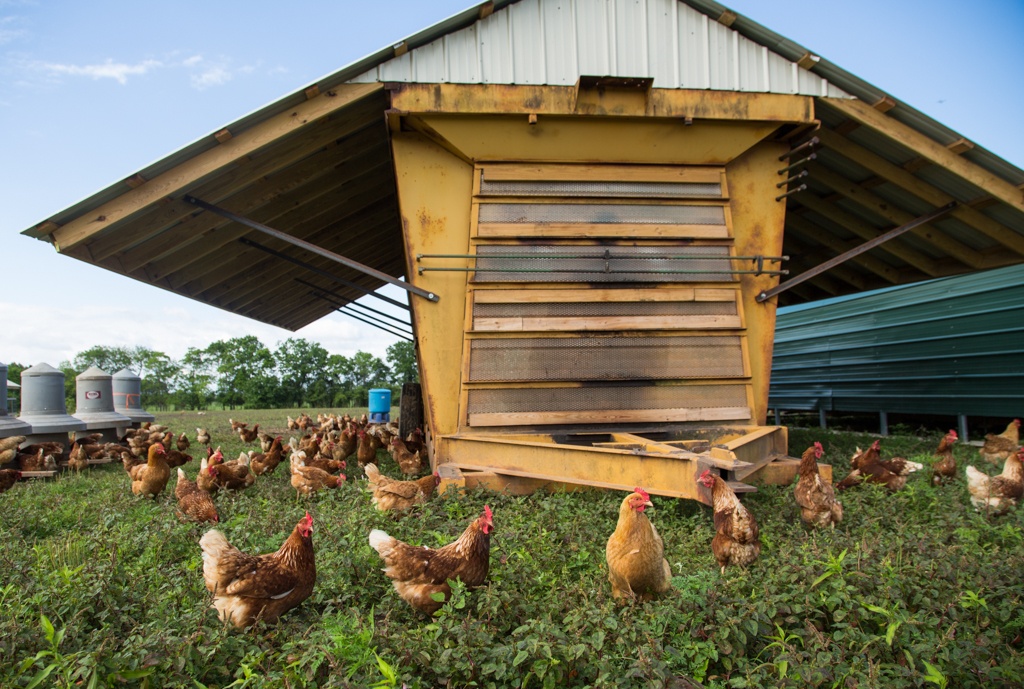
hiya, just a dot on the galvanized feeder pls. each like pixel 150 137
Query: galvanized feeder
pixel 8 424
pixel 94 397
pixel 128 399
pixel 43 407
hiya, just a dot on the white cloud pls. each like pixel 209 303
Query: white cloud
pixel 212 76
pixel 192 61
pixel 117 71
pixel 7 33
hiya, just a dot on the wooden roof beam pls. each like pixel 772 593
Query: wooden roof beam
pixel 867 231
pixel 811 257
pixel 348 128
pixel 209 286
pixel 840 246
pixel 241 296
pixel 371 229
pixel 503 99
pixel 899 177
pixel 213 232
pixel 884 209
pixel 193 170
pixel 931 150
pixel 211 273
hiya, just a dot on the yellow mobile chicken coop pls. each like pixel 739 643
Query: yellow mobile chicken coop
pixel 595 207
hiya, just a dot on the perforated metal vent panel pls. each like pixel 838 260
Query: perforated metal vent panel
pixel 601 189
pixel 605 358
pixel 549 263
pixel 598 309
pixel 610 398
pixel 597 214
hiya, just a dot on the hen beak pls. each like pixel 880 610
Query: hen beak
pixel 648 503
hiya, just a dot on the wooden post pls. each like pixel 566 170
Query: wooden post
pixel 410 414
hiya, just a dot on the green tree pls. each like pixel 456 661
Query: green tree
pixel 158 372
pixel 109 359
pixel 193 380
pixel 303 368
pixel 246 373
pixel 401 358
pixel 14 370
pixel 365 372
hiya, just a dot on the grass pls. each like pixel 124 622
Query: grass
pixel 100 588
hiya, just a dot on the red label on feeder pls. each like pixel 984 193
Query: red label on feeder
pixel 92 394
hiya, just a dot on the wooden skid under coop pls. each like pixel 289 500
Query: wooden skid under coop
pixel 663 463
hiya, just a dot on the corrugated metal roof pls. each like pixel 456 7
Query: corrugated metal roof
pixel 553 43
pixel 680 44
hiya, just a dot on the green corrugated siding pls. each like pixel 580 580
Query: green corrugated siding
pixel 948 346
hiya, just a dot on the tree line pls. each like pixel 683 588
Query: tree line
pixel 244 373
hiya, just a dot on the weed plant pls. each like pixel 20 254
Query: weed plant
pixel 99 588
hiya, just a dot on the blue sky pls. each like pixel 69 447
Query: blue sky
pixel 92 92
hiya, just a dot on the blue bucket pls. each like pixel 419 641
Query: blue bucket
pixel 380 401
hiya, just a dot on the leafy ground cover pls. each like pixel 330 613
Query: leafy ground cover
pixel 100 588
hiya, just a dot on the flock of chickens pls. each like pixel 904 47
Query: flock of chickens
pixel 635 552
pixel 248 588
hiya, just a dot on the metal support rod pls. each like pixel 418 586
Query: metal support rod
pixel 795 190
pixel 857 251
pixel 606 272
pixel 313 248
pixel 792 179
pixel 813 156
pixel 813 141
pixel 322 273
pixel 381 314
pixel 623 256
pixel 375 325
pixel 345 302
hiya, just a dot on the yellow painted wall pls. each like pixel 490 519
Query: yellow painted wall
pixel 434 175
pixel 434 193
pixel 758 222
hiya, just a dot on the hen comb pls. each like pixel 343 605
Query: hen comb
pixel 952 433
pixel 642 493
pixel 707 472
pixel 488 515
pixel 309 518
pixel 817 446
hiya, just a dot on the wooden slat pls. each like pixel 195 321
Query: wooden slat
pixel 929 233
pixel 191 171
pixel 896 247
pixel 604 230
pixel 930 149
pixel 543 296
pixel 500 172
pixel 609 416
pixel 503 99
pixel 906 181
pixel 541 324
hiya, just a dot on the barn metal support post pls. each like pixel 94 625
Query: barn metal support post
pixel 883 423
pixel 821 417
pixel 962 422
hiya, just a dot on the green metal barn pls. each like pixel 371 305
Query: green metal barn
pixel 952 346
